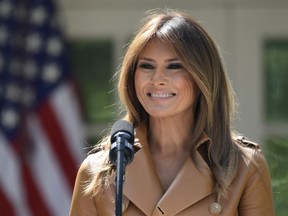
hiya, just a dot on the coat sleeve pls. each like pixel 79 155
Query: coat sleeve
pixel 82 205
pixel 257 199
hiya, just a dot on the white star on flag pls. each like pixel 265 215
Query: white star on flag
pixel 34 43
pixel 51 72
pixel 5 8
pixel 38 15
pixel 54 46
pixel 9 118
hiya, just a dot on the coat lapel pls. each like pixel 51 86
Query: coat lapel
pixel 142 185
pixel 190 186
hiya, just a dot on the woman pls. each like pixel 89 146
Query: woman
pixel 188 161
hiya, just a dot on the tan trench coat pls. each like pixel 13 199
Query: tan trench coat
pixel 190 194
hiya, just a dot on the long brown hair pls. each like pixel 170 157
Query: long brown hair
pixel 215 104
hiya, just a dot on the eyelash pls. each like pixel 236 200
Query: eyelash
pixel 146 66
pixel 173 66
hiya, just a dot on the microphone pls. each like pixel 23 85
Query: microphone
pixel 121 153
pixel 122 139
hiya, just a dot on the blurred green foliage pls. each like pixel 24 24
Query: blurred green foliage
pixel 276 153
pixel 276 80
pixel 92 65
pixel 276 111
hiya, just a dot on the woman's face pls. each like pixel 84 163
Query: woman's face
pixel 163 86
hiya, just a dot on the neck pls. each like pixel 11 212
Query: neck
pixel 170 136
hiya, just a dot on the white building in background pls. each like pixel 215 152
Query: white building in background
pixel 239 26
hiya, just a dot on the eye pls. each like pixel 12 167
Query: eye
pixel 175 66
pixel 146 65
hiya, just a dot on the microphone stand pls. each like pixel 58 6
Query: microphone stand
pixel 121 163
pixel 121 153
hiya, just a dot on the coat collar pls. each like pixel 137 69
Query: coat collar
pixel 142 185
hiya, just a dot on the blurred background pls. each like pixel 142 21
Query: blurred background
pixel 57 97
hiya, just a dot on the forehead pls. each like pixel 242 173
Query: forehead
pixel 158 48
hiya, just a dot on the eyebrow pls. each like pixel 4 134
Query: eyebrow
pixel 152 60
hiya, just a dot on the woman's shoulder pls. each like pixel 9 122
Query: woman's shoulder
pixel 251 153
pixel 92 162
pixel 253 179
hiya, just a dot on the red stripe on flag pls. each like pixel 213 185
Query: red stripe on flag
pixel 5 205
pixel 35 201
pixel 33 195
pixel 58 142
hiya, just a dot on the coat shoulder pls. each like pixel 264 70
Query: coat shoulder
pixel 246 143
pixel 251 151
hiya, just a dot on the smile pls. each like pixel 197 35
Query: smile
pixel 161 95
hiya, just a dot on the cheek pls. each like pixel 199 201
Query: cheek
pixel 136 79
pixel 189 91
pixel 141 77
pixel 189 87
pixel 138 82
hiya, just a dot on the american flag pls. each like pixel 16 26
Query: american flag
pixel 41 134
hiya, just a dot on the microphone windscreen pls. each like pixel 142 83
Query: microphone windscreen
pixel 123 126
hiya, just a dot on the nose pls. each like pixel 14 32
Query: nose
pixel 159 78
